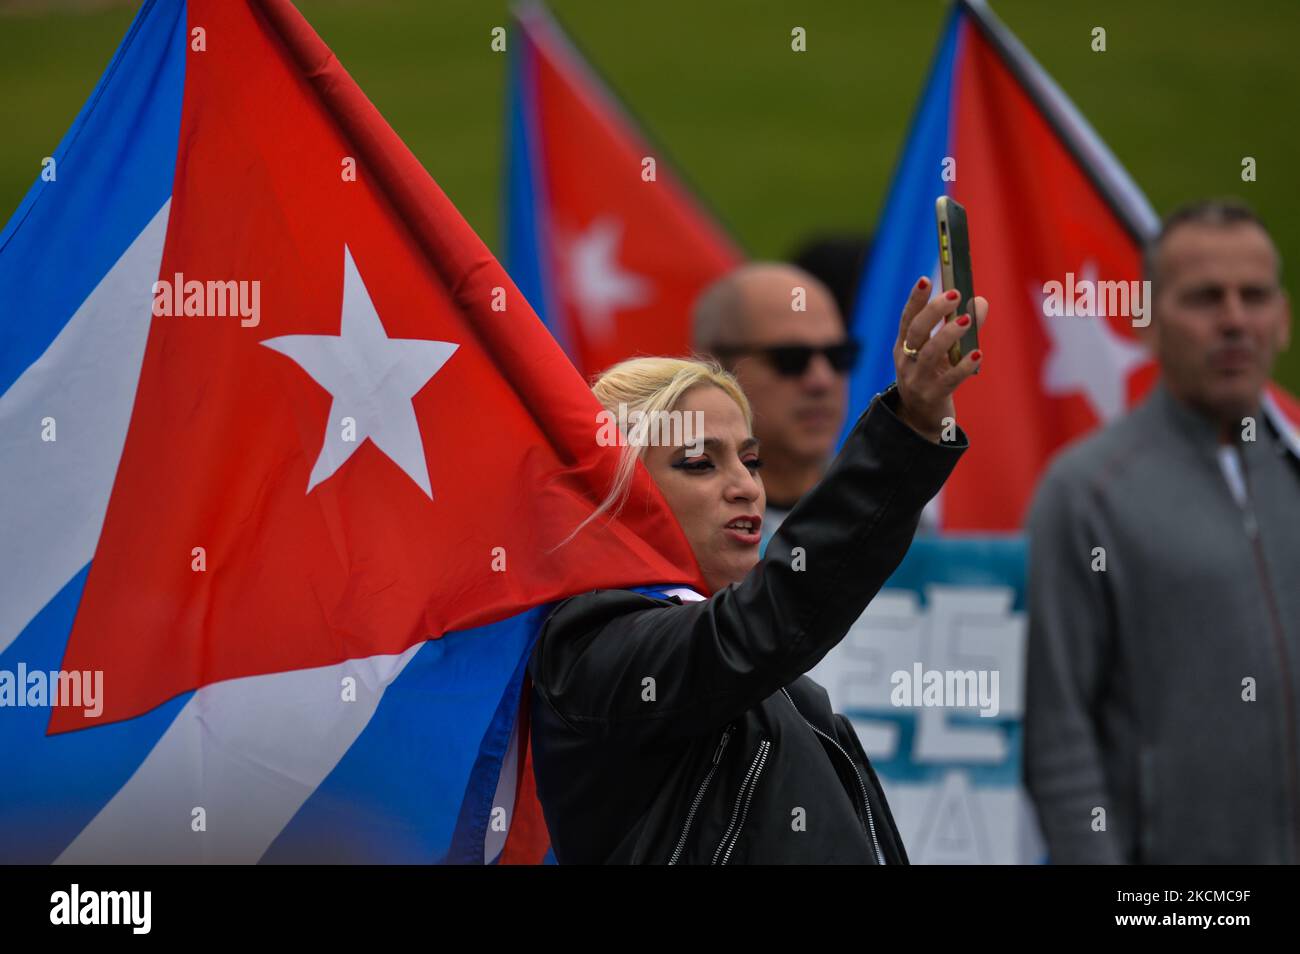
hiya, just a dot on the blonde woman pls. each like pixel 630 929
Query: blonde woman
pixel 671 727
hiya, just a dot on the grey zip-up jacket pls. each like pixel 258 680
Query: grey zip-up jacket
pixel 1162 685
pixel 671 733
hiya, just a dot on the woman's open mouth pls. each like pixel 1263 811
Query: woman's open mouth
pixel 745 530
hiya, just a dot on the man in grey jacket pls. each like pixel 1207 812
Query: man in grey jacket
pixel 1164 584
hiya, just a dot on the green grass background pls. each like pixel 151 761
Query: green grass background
pixel 780 144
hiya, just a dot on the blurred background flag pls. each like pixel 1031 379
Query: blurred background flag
pixel 1048 202
pixel 1046 199
pixel 305 543
pixel 605 242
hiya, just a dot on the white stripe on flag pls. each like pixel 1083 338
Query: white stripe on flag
pixel 1286 428
pixel 685 593
pixel 56 492
pixel 249 752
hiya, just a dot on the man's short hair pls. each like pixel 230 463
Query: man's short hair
pixel 1218 213
pixel 719 311
pixel 715 309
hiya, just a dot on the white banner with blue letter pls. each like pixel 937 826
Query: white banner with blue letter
pixel 932 677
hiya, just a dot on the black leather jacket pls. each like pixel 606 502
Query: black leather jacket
pixel 686 733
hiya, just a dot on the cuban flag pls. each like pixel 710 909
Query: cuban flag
pixel 1046 200
pixel 286 459
pixel 602 238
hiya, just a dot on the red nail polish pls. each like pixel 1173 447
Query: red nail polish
pixel 964 320
pixel 923 283
pixel 975 355
pixel 952 296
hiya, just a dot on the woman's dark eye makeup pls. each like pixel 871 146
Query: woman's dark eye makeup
pixel 693 464
pixel 696 465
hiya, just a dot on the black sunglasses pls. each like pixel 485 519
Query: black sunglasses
pixel 792 360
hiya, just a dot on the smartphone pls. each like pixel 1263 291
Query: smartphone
pixel 954 262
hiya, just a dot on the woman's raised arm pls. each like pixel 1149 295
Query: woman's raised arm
pixel 616 662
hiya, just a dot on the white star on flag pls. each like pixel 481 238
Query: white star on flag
pixel 599 286
pixel 1087 356
pixel 372 379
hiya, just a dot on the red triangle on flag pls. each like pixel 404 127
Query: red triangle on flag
pixel 243 535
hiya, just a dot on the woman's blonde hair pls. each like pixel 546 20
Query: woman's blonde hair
pixel 651 385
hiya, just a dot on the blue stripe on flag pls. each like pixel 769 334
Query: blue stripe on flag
pixel 52 786
pixel 114 170
pixel 525 211
pixel 476 810
pixel 395 796
pixel 906 246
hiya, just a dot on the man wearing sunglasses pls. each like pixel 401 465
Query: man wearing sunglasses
pixel 777 328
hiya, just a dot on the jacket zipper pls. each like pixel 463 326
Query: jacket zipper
pixel 1252 531
pixel 738 812
pixel 866 802
pixel 699 795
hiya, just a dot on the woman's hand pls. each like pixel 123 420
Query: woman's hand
pixel 927 380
